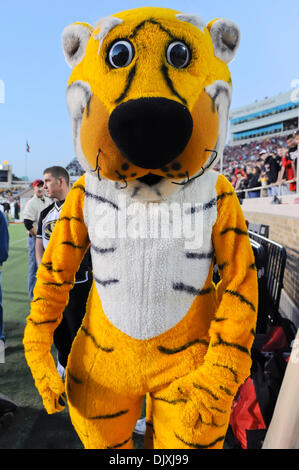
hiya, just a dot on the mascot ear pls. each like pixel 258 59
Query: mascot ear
pixel 74 41
pixel 226 38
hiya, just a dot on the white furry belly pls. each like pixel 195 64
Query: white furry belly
pixel 146 285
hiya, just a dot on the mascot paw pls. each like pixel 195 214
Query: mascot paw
pixel 203 406
pixel 51 387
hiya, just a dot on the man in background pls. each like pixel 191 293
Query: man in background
pixel 17 209
pixel 56 183
pixel 31 214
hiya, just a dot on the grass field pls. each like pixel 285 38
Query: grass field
pixel 29 427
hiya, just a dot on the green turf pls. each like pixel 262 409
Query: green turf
pixel 29 427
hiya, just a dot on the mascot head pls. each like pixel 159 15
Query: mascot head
pixel 149 95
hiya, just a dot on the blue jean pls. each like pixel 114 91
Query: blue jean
pixel 253 194
pixel 273 191
pixel 32 266
pixel 1 311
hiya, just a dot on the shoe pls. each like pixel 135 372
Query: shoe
pixel 276 200
pixel 140 426
pixel 6 405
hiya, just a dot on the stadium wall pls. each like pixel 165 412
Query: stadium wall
pixel 283 225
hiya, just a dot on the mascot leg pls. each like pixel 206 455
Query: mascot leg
pixel 169 432
pixel 108 422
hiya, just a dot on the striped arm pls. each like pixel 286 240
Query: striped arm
pixel 55 278
pixel 232 331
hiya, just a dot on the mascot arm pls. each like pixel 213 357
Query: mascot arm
pixel 55 278
pixel 211 388
pixel 233 328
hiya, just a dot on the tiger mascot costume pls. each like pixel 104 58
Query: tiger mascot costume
pixel 148 97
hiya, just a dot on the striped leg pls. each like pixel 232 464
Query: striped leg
pixel 109 420
pixel 169 432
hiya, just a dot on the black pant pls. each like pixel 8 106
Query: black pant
pixel 73 315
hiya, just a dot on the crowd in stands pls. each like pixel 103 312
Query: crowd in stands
pixel 247 166
pixel 257 164
pixel 253 165
pixel 74 168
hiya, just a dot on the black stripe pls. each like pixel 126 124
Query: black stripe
pixel 223 195
pixel 119 445
pixel 205 389
pixel 72 245
pixel 49 267
pixel 58 284
pixel 210 204
pixel 213 424
pixel 73 378
pixel 130 78
pixel 205 206
pixel 180 286
pixel 222 266
pixel 240 297
pixel 182 348
pixel 69 218
pixel 170 402
pixel 152 21
pixel 37 323
pixel 102 251
pixel 220 319
pixel 88 106
pixel 169 83
pixel 79 186
pixel 233 229
pixel 108 350
pixel 218 409
pixel 114 415
pixel 252 266
pixel 38 298
pixel 221 342
pixel 135 191
pixel 230 369
pixel 106 282
pixel 200 446
pixel 200 255
pixel 101 199
pixel 227 391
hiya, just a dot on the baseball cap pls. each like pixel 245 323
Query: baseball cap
pixel 37 183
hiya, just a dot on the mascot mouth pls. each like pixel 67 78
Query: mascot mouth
pixel 150 179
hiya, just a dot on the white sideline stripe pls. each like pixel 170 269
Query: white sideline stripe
pixel 17 241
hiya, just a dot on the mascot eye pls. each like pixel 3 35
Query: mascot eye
pixel 121 54
pixel 178 55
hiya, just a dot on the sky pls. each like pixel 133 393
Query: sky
pixel 34 72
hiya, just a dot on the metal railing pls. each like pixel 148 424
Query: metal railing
pixel 272 185
pixel 274 261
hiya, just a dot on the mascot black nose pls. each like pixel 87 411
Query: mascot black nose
pixel 151 132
